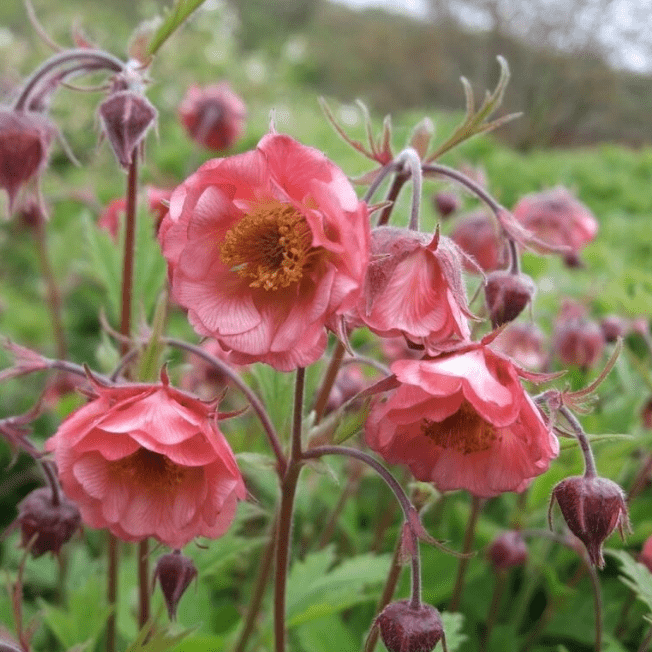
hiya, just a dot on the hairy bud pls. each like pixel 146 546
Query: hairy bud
pixel 446 203
pixel 508 550
pixel 126 117
pixel 592 508
pixel 507 295
pixel 613 327
pixel 53 524
pixel 578 342
pixel 174 573
pixel 404 628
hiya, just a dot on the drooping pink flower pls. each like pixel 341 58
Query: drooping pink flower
pixel 557 218
pixel 577 339
pixel 413 288
pixel 213 116
pixel 110 218
pixel 148 460
pixel 462 420
pixel 525 343
pixel 265 248
pixel 25 138
pixel 477 235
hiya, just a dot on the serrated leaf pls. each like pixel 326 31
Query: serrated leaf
pixel 634 575
pixel 176 16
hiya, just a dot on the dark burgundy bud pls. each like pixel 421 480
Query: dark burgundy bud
pixel 174 573
pixel 613 327
pixel 507 295
pixel 446 203
pixel 126 117
pixel 579 342
pixel 404 628
pixel 646 414
pixel 53 524
pixel 25 138
pixel 592 508
pixel 508 550
pixel 31 214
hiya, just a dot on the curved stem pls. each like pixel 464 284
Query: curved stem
pixel 392 195
pixel 329 380
pixel 52 481
pixel 410 157
pixel 377 182
pixel 514 262
pixel 104 59
pixel 415 600
pixel 589 461
pixel 476 505
pixel 251 396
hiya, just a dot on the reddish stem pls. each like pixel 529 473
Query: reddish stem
pixel 329 380
pixel 143 582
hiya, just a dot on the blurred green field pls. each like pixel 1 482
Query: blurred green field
pixel 333 590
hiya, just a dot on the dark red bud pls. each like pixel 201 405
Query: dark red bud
pixel 507 295
pixel 25 138
pixel 406 629
pixel 646 414
pixel 126 117
pixel 508 550
pixel 592 509
pixel 446 203
pixel 54 524
pixel 174 573
pixel 613 327
pixel 579 342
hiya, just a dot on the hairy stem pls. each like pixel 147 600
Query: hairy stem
pixel 589 461
pixel 143 582
pixel 392 195
pixel 328 382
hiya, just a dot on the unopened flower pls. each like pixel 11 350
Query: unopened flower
pixel 507 550
pixel 405 628
pixel 557 218
pixel 25 138
pixel 477 235
pixel 213 116
pixel 646 554
pixel 174 573
pixel 578 341
pixel 413 288
pixel 592 507
pixel 507 294
pixel 52 524
pixel 265 248
pixel 111 217
pixel 462 420
pixel 524 343
pixel 126 117
pixel 613 327
pixel 446 203
pixel 148 460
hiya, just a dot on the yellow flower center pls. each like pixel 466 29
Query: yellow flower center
pixel 465 431
pixel 272 246
pixel 149 469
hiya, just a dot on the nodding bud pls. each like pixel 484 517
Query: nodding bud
pixel 405 628
pixel 446 203
pixel 613 327
pixel 578 342
pixel 508 550
pixel 25 138
pixel 507 295
pixel 126 116
pixel 645 556
pixel 174 573
pixel 646 414
pixel 592 507
pixel 52 524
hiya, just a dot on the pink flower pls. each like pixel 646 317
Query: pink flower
pixel 524 343
pixel 577 339
pixel 463 421
pixel 148 460
pixel 157 203
pixel 646 554
pixel 110 218
pixel 414 288
pixel 559 219
pixel 264 249
pixel 477 235
pixel 213 116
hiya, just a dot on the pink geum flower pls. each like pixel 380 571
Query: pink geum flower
pixel 557 218
pixel 213 116
pixel 463 421
pixel 478 236
pixel 264 249
pixel 148 460
pixel 414 288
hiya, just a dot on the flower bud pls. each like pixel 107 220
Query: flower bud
pixel 645 557
pixel 446 203
pixel 126 117
pixel 53 524
pixel 507 295
pixel 404 628
pixel 578 342
pixel 477 235
pixel 25 138
pixel 613 327
pixel 592 508
pixel 508 550
pixel 174 573
pixel 646 414
pixel 525 343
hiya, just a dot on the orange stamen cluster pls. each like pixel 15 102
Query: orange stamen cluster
pixel 150 469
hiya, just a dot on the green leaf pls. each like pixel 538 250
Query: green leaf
pixel 453 623
pixel 328 633
pixel 158 640
pixel 176 16
pixel 634 575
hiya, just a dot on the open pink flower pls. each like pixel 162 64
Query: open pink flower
pixel 414 288
pixel 148 460
pixel 463 421
pixel 213 116
pixel 557 218
pixel 264 248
